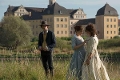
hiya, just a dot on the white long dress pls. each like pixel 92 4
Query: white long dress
pixel 95 70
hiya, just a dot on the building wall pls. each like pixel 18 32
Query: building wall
pixel 50 21
pixel 107 26
pixel 72 24
pixel 99 24
pixel 59 24
pixel 21 11
pixel 79 14
pixel 110 26
pixel 35 26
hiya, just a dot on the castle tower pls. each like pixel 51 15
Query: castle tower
pixel 51 2
pixel 107 22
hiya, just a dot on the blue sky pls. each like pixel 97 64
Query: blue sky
pixel 90 7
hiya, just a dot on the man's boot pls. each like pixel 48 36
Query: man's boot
pixel 51 73
pixel 47 73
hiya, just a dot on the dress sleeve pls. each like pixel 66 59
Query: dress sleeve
pixel 91 45
pixel 73 41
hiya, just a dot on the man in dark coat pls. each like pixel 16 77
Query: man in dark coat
pixel 46 43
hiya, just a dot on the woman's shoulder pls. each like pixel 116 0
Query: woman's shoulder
pixel 94 39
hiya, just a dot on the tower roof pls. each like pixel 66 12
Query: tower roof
pixel 55 9
pixel 107 10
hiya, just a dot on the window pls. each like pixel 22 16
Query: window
pixel 76 16
pixel 50 19
pixel 61 32
pixel 107 32
pixel 60 12
pixel 65 32
pixel 47 19
pixel 114 20
pixel 111 20
pixel 65 19
pixel 107 26
pixel 111 26
pixel 65 25
pixel 61 19
pixel 61 25
pixel 57 32
pixel 57 25
pixel 114 26
pixel 107 20
pixel 114 32
pixel 111 32
pixel 57 19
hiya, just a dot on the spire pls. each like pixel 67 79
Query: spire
pixel 51 2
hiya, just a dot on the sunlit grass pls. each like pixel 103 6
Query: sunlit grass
pixel 26 69
pixel 33 70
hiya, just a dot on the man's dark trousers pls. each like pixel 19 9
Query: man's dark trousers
pixel 46 57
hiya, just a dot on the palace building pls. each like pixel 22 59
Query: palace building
pixel 106 22
pixel 62 20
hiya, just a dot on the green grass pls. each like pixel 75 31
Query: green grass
pixel 33 70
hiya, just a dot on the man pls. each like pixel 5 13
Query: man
pixel 46 43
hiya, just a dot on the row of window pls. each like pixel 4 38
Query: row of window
pixel 48 19
pixel 61 32
pixel 19 14
pixel 111 26
pixel 111 20
pixel 61 25
pixel 111 32
pixel 21 10
pixel 109 37
pixel 61 19
pixel 80 12
pixel 79 16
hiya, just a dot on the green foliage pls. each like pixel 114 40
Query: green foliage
pixel 62 44
pixel 34 39
pixel 66 38
pixel 14 32
pixel 116 37
pixel 109 43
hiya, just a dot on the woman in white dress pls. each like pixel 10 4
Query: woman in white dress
pixel 93 68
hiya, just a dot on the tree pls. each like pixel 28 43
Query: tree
pixel 14 32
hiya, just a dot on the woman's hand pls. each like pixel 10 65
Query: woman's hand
pixel 87 62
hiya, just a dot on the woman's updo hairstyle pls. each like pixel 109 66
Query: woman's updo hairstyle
pixel 90 28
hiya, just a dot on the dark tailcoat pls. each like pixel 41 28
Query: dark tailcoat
pixel 50 40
